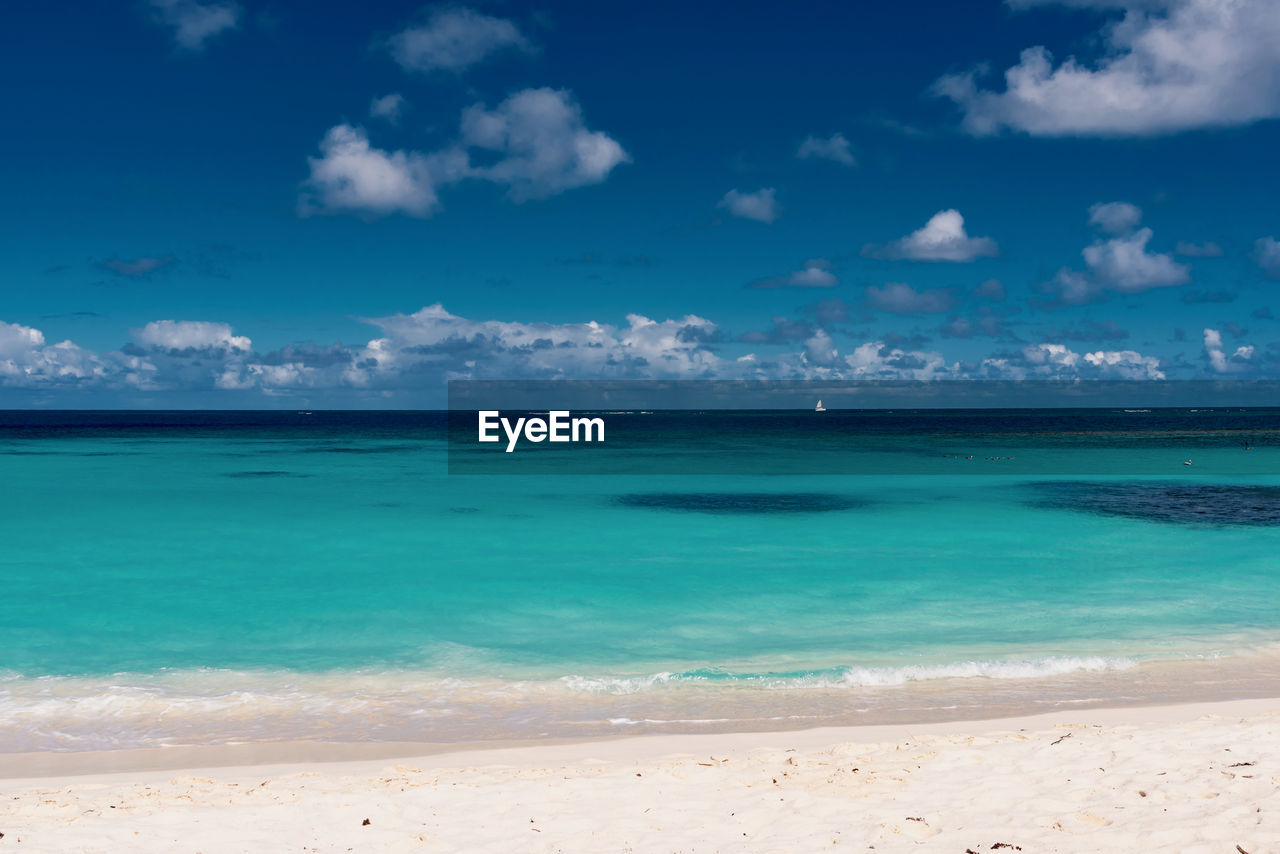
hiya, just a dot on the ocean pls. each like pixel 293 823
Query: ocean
pixel 214 577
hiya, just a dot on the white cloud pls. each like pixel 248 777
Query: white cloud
pixel 1219 361
pixel 413 354
pixel 834 147
pixel 816 274
pixel 1125 364
pixel 943 238
pixel 820 350
pixel 1266 251
pixel 1124 264
pixel 1115 217
pixel 1051 355
pixel 544 145
pixel 190 335
pixel 351 176
pixel 193 22
pixel 435 342
pixel 760 205
pixel 16 339
pixel 387 107
pixel 1166 67
pixel 26 361
pixel 453 40
pixel 900 298
pixel 1057 361
pixel 1121 263
pixel 877 360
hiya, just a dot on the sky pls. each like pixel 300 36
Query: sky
pixel 272 203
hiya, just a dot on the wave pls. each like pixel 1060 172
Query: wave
pixel 856 677
pixel 192 707
pixel 1030 669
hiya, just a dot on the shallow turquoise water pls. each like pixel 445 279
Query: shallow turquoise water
pixel 193 572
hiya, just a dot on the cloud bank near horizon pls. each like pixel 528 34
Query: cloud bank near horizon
pixel 413 355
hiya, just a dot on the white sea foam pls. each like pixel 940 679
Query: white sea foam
pixel 856 677
pixel 220 706
pixel 626 685
pixel 1027 669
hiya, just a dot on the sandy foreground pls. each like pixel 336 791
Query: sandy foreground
pixel 1190 778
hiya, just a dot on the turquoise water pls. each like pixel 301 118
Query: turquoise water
pixel 176 586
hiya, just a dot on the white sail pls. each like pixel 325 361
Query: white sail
pixel 819 407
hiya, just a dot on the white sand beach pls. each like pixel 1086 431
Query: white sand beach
pixel 1187 778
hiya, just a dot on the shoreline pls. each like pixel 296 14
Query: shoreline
pixel 1195 778
pixel 284 757
pixel 153 731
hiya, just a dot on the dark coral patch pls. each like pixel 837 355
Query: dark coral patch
pixel 1179 503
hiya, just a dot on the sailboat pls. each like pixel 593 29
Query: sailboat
pixel 819 407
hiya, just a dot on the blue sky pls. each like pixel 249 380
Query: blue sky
pixel 322 204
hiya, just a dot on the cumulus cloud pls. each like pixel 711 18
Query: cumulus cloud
pixel 816 274
pixel 900 298
pixel 1125 265
pixel 1115 217
pixel 760 205
pixel 454 39
pixel 1119 264
pixel 1219 361
pixel 538 138
pixel 190 335
pixel 433 339
pixel 1266 251
pixel 943 238
pixel 821 359
pixel 1057 361
pixel 352 176
pixel 411 355
pixel 1165 67
pixel 1125 364
pixel 16 338
pixel 834 147
pixel 387 107
pixel 878 360
pixel 193 23
pixel 27 361
pixel 820 350
pixel 543 145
